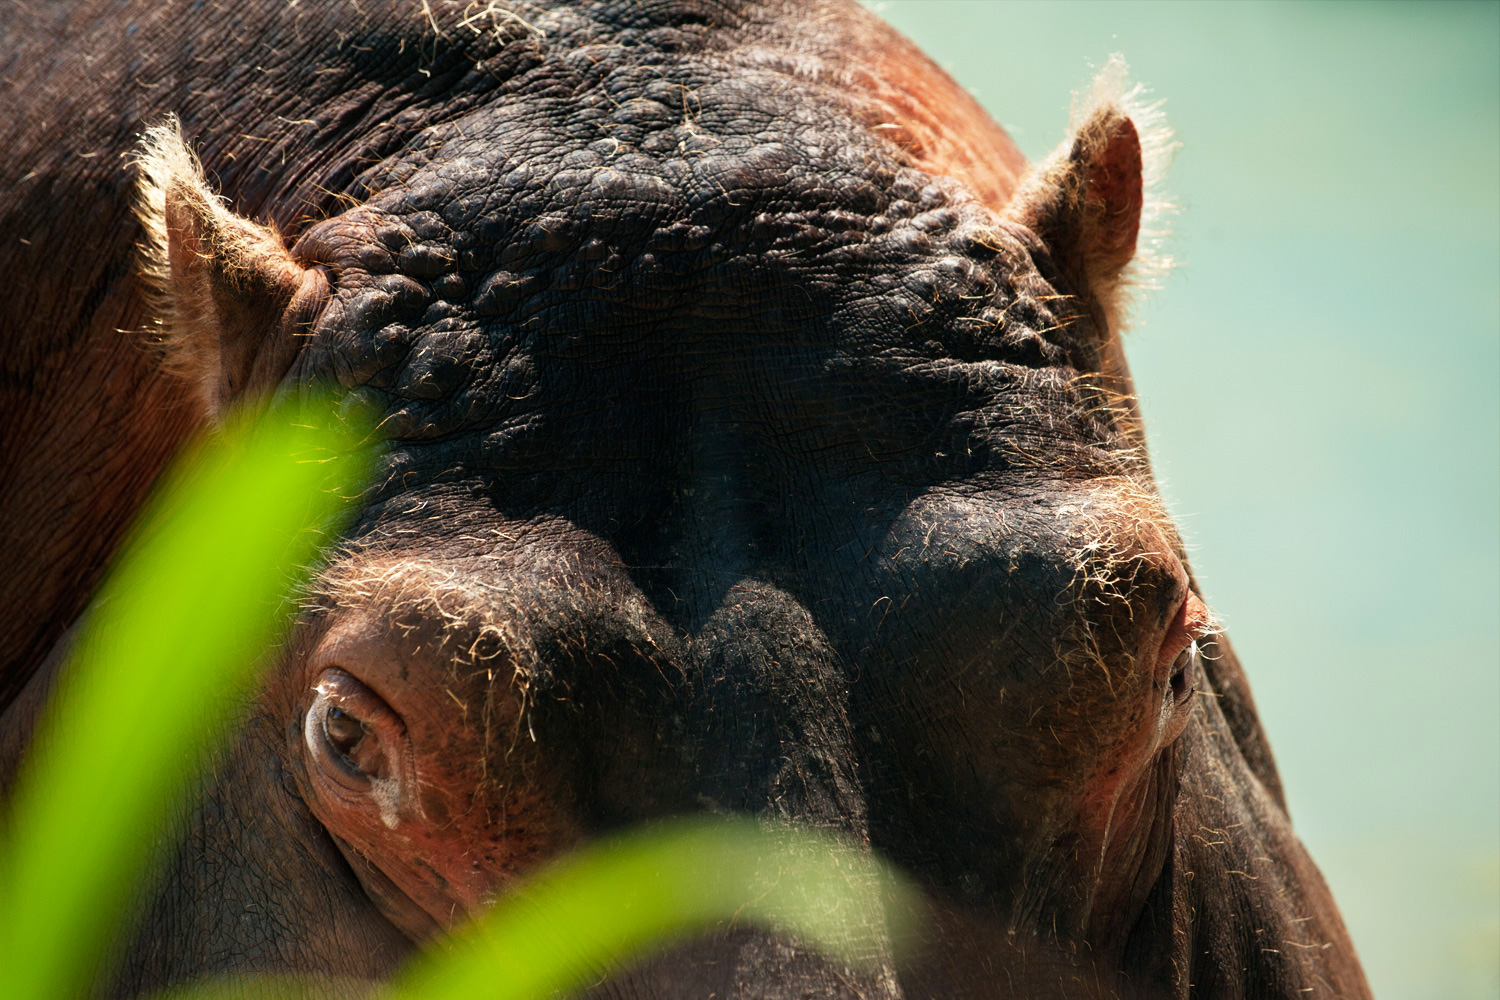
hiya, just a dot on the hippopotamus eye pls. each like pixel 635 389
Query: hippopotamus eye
pixel 344 733
pixel 349 729
pixel 1182 684
pixel 1191 627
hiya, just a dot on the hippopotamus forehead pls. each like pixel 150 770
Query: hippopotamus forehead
pixel 843 308
pixel 783 440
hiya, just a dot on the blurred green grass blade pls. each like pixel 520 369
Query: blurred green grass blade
pixel 165 659
pixel 611 902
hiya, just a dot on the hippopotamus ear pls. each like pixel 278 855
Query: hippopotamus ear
pixel 229 298
pixel 1089 200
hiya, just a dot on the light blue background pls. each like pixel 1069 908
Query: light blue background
pixel 1321 378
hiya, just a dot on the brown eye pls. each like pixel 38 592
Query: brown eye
pixel 349 729
pixel 1182 684
pixel 343 731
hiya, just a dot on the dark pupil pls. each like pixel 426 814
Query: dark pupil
pixel 1179 669
pixel 344 730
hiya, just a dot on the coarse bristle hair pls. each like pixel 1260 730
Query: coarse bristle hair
pixel 1112 86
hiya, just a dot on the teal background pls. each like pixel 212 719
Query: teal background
pixel 1321 378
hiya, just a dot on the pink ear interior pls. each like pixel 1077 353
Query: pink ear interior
pixel 1115 189
pixel 185 250
pixel 237 295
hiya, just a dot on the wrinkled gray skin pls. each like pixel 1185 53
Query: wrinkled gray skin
pixel 754 445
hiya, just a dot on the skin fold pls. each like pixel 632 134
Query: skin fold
pixel 757 439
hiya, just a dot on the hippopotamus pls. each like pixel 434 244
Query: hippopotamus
pixel 757 439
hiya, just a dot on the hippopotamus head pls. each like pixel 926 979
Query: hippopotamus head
pixel 755 437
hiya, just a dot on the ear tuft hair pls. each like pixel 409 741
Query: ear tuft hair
pixel 161 156
pixel 1096 200
pixel 165 163
pixel 227 297
pixel 1112 87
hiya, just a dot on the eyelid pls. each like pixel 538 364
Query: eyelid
pixel 339 687
pixel 336 688
pixel 1196 619
pixel 1192 624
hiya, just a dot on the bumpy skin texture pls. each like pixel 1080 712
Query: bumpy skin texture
pixel 745 453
